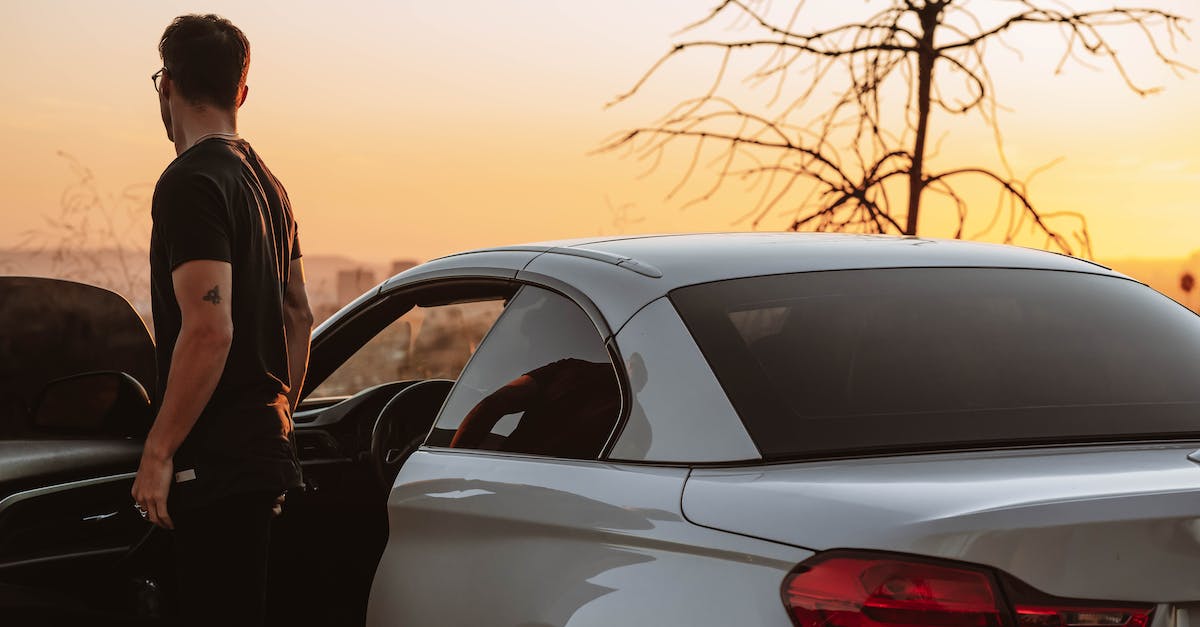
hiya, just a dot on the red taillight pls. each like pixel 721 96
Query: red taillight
pixel 1060 616
pixel 858 591
pixel 851 589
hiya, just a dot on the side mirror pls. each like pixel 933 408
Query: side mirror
pixel 93 403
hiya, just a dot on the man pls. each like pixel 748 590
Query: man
pixel 232 322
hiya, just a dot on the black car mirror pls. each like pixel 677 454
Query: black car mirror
pixel 93 403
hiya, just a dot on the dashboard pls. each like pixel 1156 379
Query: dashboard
pixel 339 429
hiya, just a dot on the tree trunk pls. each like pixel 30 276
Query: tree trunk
pixel 925 62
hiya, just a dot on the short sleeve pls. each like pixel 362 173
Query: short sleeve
pixel 192 219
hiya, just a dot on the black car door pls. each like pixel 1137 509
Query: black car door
pixel 75 364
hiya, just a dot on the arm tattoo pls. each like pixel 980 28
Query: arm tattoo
pixel 213 296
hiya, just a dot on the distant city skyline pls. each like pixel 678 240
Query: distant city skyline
pixel 335 280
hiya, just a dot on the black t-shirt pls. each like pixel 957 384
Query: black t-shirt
pixel 219 201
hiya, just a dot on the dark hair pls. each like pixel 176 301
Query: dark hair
pixel 206 58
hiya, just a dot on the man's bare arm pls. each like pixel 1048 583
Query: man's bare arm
pixel 515 396
pixel 203 290
pixel 297 326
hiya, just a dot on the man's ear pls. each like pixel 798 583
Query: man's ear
pixel 242 96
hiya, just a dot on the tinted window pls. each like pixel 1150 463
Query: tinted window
pixel 927 358
pixel 542 383
pixel 424 343
pixel 52 329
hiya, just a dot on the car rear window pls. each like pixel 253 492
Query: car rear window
pixel 839 362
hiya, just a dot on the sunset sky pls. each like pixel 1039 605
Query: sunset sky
pixel 413 129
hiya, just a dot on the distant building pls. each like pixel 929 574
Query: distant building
pixel 322 311
pixel 400 265
pixel 352 283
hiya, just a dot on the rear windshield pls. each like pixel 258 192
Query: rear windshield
pixel 883 360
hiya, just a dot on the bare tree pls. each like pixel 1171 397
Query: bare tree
pixel 858 164
pixel 622 216
pixel 97 237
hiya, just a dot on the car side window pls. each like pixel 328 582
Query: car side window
pixel 424 343
pixel 542 383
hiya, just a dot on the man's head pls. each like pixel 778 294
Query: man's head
pixel 205 61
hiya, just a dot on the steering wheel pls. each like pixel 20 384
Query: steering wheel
pixel 402 425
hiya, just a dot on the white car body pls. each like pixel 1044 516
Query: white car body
pixel 681 521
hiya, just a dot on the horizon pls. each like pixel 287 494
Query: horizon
pixel 322 269
pixel 386 260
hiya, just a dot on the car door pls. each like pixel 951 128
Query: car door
pixel 75 364
pixel 332 532
pixel 508 516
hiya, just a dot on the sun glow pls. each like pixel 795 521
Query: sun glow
pixel 411 130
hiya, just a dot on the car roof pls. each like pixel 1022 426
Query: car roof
pixel 622 274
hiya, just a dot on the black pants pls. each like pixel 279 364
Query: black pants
pixel 221 560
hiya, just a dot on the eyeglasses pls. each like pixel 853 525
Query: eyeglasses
pixel 155 77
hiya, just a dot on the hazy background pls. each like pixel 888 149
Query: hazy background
pixel 407 130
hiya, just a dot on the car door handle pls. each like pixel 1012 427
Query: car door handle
pixel 98 517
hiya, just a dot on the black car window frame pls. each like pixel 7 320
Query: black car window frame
pixel 439 339
pixel 334 345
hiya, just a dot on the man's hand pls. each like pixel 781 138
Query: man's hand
pixel 151 487
pixel 277 507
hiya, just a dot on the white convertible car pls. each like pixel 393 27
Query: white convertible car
pixel 692 430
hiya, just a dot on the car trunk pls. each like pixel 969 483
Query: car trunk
pixel 1115 522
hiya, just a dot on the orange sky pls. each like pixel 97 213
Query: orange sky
pixel 406 129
